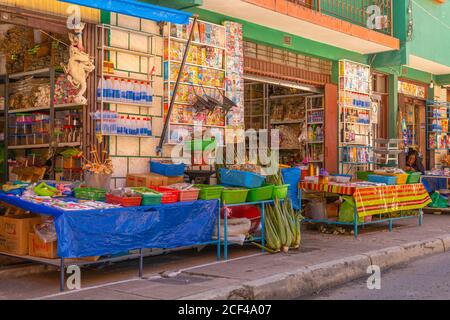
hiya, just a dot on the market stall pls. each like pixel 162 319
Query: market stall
pixel 366 203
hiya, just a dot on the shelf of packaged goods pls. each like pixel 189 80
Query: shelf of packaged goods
pixel 125 135
pixel 310 123
pixel 29 73
pixel 125 103
pixel 195 85
pixel 287 122
pixel 46 145
pixel 108 75
pixel 355 108
pixel 196 43
pixel 198 65
pixel 199 125
pixel 315 142
pixel 128 51
pixel 356 123
pixel 57 107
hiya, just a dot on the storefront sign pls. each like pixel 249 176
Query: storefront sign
pixel 411 89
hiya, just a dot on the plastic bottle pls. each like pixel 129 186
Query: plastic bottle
pixel 149 127
pixel 143 92
pixel 108 95
pixel 137 92
pixel 116 89
pixel 130 93
pixel 123 91
pixel 101 88
pixel 149 91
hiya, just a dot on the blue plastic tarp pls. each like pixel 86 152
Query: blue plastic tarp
pixel 100 232
pixel 136 9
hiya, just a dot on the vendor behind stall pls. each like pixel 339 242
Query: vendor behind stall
pixel 414 162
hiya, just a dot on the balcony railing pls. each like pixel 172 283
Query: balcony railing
pixel 371 14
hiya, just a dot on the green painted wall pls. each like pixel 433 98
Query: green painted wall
pixel 431 35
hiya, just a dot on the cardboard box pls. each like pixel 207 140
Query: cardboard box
pixel 152 179
pixel 38 248
pixel 14 230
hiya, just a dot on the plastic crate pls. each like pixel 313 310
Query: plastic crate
pixel 189 195
pixel 149 197
pixel 90 194
pixel 242 179
pixel 389 180
pixel 342 178
pixel 168 195
pixel 260 194
pixel 401 177
pixel 167 169
pixel 124 201
pixel 280 192
pixel 208 192
pixel 233 196
pixel 413 177
pixel 363 175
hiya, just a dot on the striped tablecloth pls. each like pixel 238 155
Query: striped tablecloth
pixel 376 200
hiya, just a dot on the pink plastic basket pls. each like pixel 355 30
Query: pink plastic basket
pixel 189 195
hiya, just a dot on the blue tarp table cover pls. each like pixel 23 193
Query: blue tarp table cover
pixel 136 9
pixel 100 232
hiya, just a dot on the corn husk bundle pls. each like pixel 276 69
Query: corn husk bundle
pixel 101 164
pixel 282 227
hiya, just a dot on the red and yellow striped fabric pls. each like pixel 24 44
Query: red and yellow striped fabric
pixel 377 200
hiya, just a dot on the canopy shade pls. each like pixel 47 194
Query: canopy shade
pixel 136 9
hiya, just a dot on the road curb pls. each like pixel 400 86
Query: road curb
pixel 307 280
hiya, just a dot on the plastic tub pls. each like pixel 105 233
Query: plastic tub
pixel 149 197
pixel 389 180
pixel 208 192
pixel 124 201
pixel 413 177
pixel 401 178
pixel 90 194
pixel 260 194
pixel 168 195
pixel 280 192
pixel 242 179
pixel 363 175
pixel 167 169
pixel 233 196
pixel 189 195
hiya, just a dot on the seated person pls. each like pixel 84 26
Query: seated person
pixel 413 162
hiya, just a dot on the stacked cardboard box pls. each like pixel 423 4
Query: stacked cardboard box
pixel 14 230
pixel 151 179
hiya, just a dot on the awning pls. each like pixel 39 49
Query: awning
pixel 136 9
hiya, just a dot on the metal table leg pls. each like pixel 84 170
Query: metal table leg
pixel 263 240
pixel 141 264
pixel 218 234
pixel 390 225
pixel 355 222
pixel 225 233
pixel 420 217
pixel 61 275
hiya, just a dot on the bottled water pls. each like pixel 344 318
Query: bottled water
pixel 137 92
pixel 101 90
pixel 116 89
pixel 108 95
pixel 130 92
pixel 123 91
pixel 143 92
pixel 149 90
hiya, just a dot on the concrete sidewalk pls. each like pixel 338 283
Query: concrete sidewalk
pixel 324 261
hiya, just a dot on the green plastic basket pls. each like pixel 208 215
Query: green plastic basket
pixel 260 194
pixel 233 196
pixel 208 192
pixel 280 192
pixel 149 197
pixel 413 177
pixel 363 175
pixel 90 194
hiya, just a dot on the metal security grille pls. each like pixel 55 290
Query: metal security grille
pixel 283 64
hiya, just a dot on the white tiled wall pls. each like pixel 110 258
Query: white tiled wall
pixel 129 154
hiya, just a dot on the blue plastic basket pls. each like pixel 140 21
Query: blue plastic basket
pixel 389 180
pixel 166 169
pixel 243 179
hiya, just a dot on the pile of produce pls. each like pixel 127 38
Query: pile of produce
pixel 125 193
pixel 282 227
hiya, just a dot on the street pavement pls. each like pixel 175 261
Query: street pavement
pixel 423 279
pixel 202 273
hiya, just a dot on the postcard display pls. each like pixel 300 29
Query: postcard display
pixel 214 67
pixel 355 120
